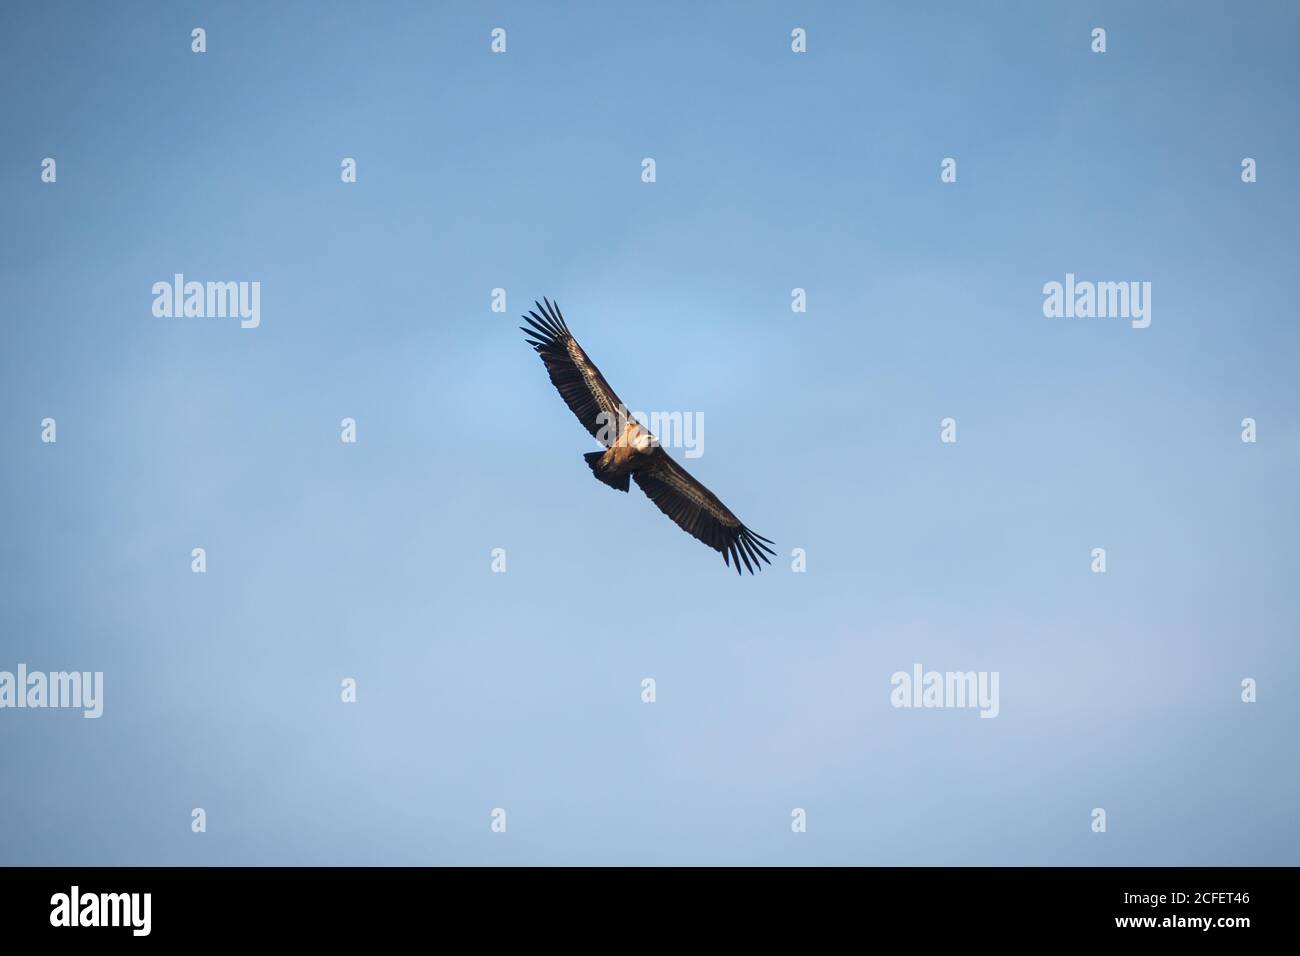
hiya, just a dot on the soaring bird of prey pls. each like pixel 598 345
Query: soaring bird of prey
pixel 631 450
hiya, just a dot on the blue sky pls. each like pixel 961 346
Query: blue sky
pixel 522 690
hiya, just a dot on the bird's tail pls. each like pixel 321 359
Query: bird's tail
pixel 592 459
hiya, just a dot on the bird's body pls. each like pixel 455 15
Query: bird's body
pixel 631 452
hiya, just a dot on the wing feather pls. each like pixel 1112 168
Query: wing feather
pixel 698 512
pixel 573 374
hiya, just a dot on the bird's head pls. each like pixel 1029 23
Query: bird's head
pixel 641 439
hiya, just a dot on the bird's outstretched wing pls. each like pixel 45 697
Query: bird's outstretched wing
pixel 699 512
pixel 574 375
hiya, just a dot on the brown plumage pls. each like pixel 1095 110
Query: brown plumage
pixel 631 451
